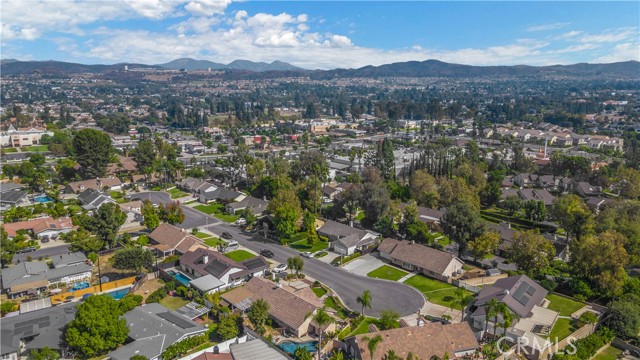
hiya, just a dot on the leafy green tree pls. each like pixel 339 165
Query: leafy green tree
pixel 625 316
pixel 365 300
pixel 132 259
pixel 424 189
pixel 623 217
pixel 388 320
pixel 249 216
pixel 82 240
pixel 145 155
pixel 97 327
pixel 375 201
pixel 37 159
pixel 296 264
pixel 171 213
pixel 535 210
pixel 462 223
pixel 286 209
pixel 512 204
pixel 105 222
pixel 7 247
pixel 45 353
pixel 93 152
pixel 138 357
pixel 7 307
pixel 573 215
pixel 258 314
pixel 531 251
pixel 484 245
pixel 302 354
pixel 129 302
pixel 228 327
pixel 150 215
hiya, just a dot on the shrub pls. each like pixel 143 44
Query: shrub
pixel 548 284
pixel 157 295
pixel 588 346
pixel 588 318
pixel 93 257
pixel 182 347
pixel 346 259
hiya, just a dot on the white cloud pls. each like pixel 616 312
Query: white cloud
pixel 611 35
pixel 207 7
pixel 545 27
pixel 621 52
pixel 340 40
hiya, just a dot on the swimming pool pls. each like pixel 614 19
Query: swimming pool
pixel 42 199
pixel 290 346
pixel 119 294
pixel 180 277
pixel 81 285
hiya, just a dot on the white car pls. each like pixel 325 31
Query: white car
pixel 241 221
pixel 280 268
pixel 306 254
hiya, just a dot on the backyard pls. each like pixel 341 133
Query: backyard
pixel 36 148
pixel 217 210
pixel 177 193
pixel 239 255
pixel 173 302
pixel 435 291
pixel 563 328
pixel 563 305
pixel 608 353
pixel 388 273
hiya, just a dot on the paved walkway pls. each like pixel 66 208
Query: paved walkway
pixel 406 277
pixel 327 259
pixel 363 265
pixel 438 311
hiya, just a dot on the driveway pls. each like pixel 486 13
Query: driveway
pixel 192 217
pixel 363 265
pixel 386 295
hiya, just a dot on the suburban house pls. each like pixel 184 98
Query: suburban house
pixel 536 195
pixel 169 240
pixel 434 263
pixel 289 308
pixel 212 271
pixel 92 199
pixel 23 136
pixel 195 186
pixel 585 189
pixel 506 234
pixel 47 226
pixel 526 299
pixel 597 204
pixel 424 341
pixel 110 183
pixel 220 194
pixel 152 329
pixel 133 209
pixel 257 206
pixel 123 165
pixel 11 194
pixel 330 192
pixel 345 239
pixel 431 217
pixel 35 330
pixel 33 277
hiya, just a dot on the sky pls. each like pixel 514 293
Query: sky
pixel 320 34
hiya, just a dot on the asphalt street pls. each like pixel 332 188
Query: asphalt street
pixel 386 295
pixel 46 252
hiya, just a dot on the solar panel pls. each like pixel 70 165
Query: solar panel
pixel 531 290
pixel 519 294
pixel 176 319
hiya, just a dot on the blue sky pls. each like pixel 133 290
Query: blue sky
pixel 326 34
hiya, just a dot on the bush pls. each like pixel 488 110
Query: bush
pixel 157 295
pixel 346 259
pixel 548 284
pixel 182 347
pixel 588 318
pixel 588 346
pixel 93 257
pixel 7 307
pixel 579 287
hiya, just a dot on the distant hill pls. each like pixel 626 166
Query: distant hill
pixel 435 68
pixel 192 64
pixel 57 67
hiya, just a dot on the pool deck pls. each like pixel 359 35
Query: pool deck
pixel 106 287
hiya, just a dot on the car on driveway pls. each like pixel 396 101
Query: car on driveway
pixel 241 221
pixel 45 239
pixel 306 254
pixel 226 235
pixel 267 253
pixel 280 268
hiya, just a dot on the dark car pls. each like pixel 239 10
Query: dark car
pixel 226 235
pixel 26 250
pixel 267 253
pixel 45 239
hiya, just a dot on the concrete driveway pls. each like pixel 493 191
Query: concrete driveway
pixel 363 265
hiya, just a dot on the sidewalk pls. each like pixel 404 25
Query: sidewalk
pixel 406 277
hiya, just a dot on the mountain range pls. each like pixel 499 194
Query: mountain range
pixel 428 68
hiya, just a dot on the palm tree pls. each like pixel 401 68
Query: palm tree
pixel 490 309
pixel 337 355
pixel 365 300
pixel 322 319
pixel 506 317
pixel 463 300
pixel 391 355
pixel 410 356
pixel 372 344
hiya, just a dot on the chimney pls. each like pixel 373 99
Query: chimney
pixel 351 223
pixel 205 259
pixel 216 350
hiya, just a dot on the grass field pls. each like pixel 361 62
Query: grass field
pixel 177 193
pixel 239 255
pixel 435 291
pixel 213 242
pixel 173 302
pixel 363 328
pixel 36 148
pixel 562 328
pixel 217 210
pixel 319 291
pixel 387 272
pixel 201 235
pixel 341 312
pixel 608 353
pixel 564 306
pixel 302 245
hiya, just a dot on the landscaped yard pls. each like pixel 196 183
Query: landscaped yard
pixel 239 255
pixel 435 291
pixel 562 328
pixel 173 302
pixel 363 328
pixel 331 303
pixel 321 254
pixel 177 193
pixel 201 235
pixel 36 148
pixel 387 272
pixel 563 305
pixel 319 291
pixel 9 150
pixel 213 242
pixel 303 245
pixel 217 210
pixel 608 353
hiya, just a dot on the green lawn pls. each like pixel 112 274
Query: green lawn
pixel 363 328
pixel 177 193
pixel 387 272
pixel 562 328
pixel 74 208
pixel 608 353
pixel 213 242
pixel 319 291
pixel 217 210
pixel 36 148
pixel 435 291
pixel 173 302
pixel 302 245
pixel 239 255
pixel 331 303
pixel 564 306
pixel 201 235
pixel 9 150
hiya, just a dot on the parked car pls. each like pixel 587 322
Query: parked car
pixel 26 250
pixel 45 239
pixel 241 221
pixel 280 268
pixel 266 253
pixel 306 254
pixel 226 235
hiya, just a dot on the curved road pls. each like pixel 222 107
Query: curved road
pixel 386 295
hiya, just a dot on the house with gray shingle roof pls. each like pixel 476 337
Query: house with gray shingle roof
pixel 345 239
pixel 434 263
